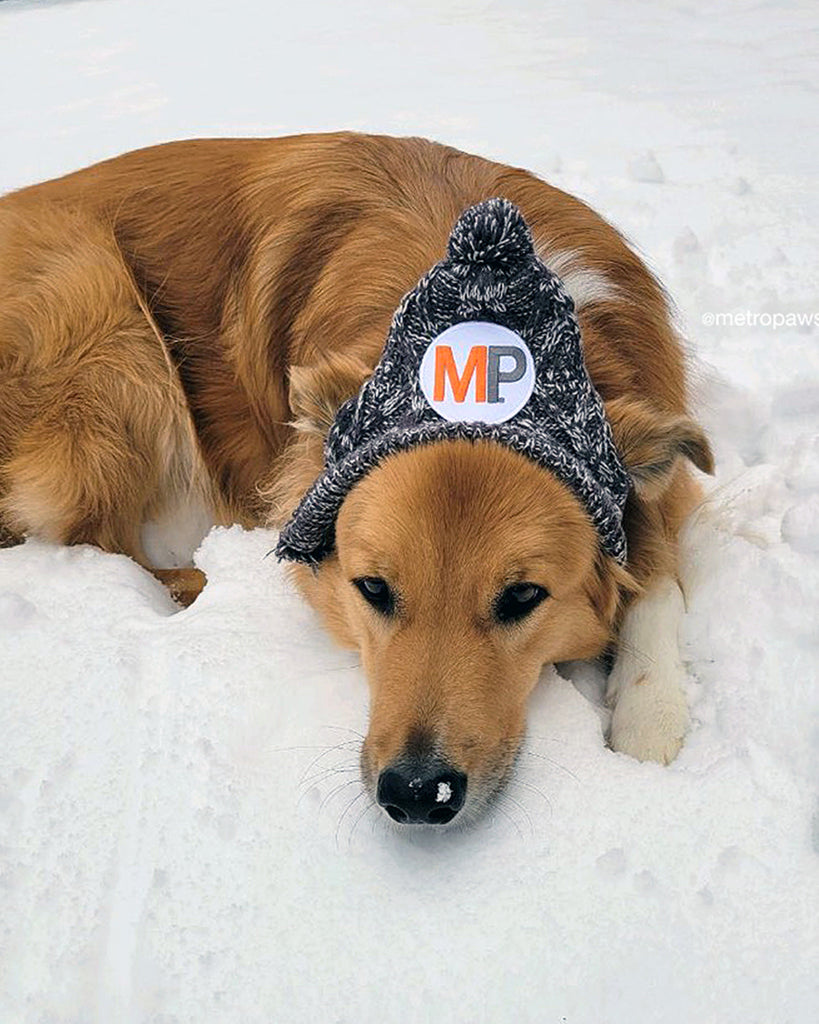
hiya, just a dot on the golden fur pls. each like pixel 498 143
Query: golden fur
pixel 187 319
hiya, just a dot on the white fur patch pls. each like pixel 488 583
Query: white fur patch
pixel 170 540
pixel 584 284
pixel 650 716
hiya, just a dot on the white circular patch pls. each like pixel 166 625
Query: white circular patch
pixel 477 372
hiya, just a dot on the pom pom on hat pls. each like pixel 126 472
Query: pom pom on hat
pixel 493 234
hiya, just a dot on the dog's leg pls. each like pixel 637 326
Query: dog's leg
pixel 645 688
pixel 95 434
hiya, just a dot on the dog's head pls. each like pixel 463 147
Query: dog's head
pixel 460 568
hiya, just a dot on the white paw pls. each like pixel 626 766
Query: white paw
pixel 650 717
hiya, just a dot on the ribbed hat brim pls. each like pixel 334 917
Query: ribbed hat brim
pixel 310 534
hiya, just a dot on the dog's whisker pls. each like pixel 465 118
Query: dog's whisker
pixel 522 738
pixel 540 793
pixel 311 746
pixel 326 670
pixel 366 811
pixel 337 789
pixel 307 785
pixel 315 767
pixel 345 728
pixel 380 819
pixel 346 811
pixel 529 785
pixel 550 761
pixel 326 751
pixel 522 808
pixel 499 807
pixel 318 777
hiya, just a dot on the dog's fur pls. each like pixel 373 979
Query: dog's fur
pixel 185 320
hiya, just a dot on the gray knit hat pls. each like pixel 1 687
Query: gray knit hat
pixel 485 347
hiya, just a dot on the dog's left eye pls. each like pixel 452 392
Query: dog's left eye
pixel 376 592
pixel 517 601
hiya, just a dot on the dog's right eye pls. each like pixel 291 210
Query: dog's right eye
pixel 376 592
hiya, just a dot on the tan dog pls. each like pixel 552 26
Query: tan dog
pixel 184 321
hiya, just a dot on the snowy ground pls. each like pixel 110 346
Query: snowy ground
pixel 181 834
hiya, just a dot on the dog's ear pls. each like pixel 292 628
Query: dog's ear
pixel 317 391
pixel 651 441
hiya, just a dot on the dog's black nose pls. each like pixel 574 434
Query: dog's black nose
pixel 429 793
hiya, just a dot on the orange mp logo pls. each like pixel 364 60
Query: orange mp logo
pixel 483 363
pixel 477 372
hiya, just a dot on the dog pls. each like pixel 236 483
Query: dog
pixel 184 322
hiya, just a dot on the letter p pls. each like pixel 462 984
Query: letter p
pixel 495 376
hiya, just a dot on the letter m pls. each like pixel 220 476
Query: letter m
pixel 445 368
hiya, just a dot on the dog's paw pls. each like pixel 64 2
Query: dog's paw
pixel 650 718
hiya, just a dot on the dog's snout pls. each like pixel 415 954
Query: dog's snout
pixel 421 792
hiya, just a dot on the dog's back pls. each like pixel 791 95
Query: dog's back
pixel 152 308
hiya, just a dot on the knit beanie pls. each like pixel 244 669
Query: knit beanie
pixel 486 347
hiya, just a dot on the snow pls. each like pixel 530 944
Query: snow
pixel 646 168
pixel 444 794
pixel 182 833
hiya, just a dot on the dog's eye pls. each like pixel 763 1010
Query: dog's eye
pixel 518 600
pixel 376 592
